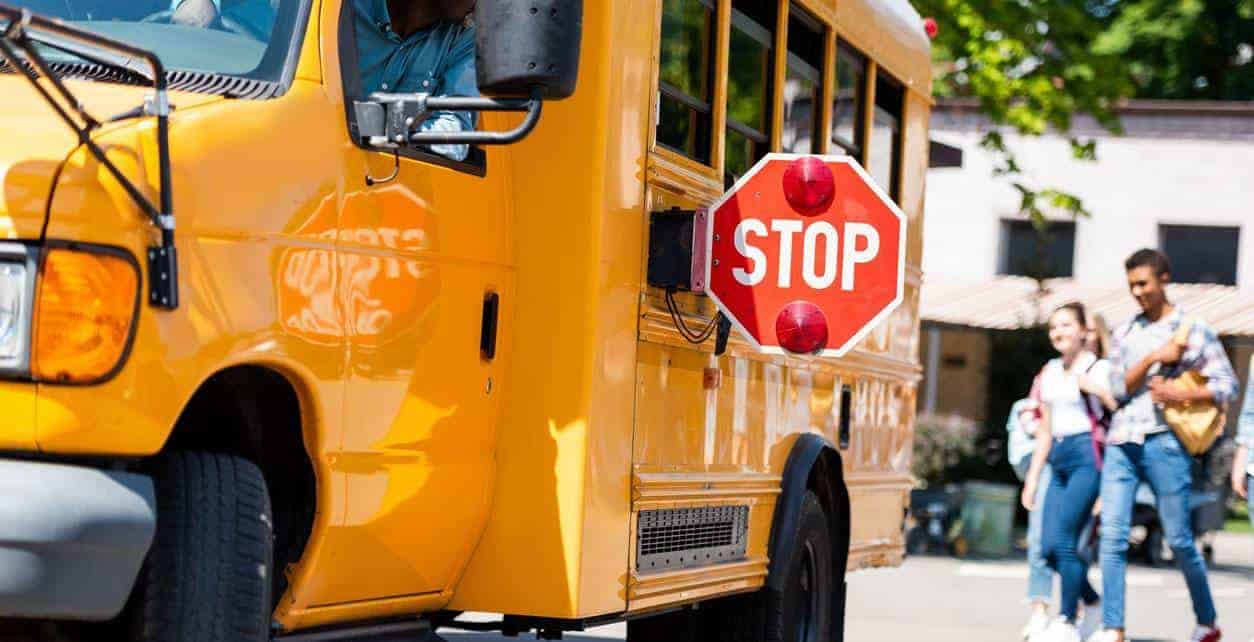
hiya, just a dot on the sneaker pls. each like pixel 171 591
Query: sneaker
pixel 1206 634
pixel 1104 636
pixel 1036 625
pixel 1091 621
pixel 1059 630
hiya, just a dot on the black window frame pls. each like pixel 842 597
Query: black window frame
pixel 672 92
pixel 765 36
pixel 1178 274
pixel 794 61
pixel 846 51
pixel 1007 227
pixel 476 163
pixel 885 81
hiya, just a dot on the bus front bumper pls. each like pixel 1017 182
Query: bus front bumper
pixel 72 539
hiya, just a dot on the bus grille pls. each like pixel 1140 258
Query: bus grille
pixel 686 537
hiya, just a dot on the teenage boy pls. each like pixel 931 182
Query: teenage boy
pixel 1141 446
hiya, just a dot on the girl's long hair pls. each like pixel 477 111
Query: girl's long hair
pixel 1097 323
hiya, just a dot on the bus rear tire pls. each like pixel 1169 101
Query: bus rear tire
pixel 809 608
pixel 208 575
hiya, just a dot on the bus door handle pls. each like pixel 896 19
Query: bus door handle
pixel 488 329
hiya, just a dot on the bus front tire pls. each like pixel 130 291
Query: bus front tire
pixel 208 575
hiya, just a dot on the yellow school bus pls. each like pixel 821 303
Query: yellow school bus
pixel 267 370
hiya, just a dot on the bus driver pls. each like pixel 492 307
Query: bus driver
pixel 420 46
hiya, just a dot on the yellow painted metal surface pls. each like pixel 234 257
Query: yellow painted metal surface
pixel 445 480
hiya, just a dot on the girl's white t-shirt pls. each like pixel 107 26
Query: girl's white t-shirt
pixel 1060 390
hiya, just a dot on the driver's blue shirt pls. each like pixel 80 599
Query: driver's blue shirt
pixel 439 60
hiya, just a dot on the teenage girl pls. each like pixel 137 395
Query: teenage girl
pixel 1074 389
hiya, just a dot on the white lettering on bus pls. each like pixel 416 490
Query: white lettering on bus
pixel 861 243
pixel 831 246
pixel 855 256
pixel 786 228
pixel 755 255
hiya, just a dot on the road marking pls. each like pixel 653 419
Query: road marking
pixel 1020 572
pixel 1225 592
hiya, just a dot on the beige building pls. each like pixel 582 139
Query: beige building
pixel 1178 180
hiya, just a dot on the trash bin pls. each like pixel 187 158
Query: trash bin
pixel 988 515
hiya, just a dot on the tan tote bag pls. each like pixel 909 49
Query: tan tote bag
pixel 1197 424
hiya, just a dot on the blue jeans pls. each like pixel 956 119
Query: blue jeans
pixel 1072 493
pixel 1168 469
pixel 1040 577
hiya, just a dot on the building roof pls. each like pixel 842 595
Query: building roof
pixel 1012 302
pixel 1175 119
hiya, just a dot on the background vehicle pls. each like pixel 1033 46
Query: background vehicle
pixel 448 387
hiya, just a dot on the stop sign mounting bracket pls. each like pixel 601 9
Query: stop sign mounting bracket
pixel 678 249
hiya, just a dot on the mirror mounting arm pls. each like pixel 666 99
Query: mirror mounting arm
pixel 391 121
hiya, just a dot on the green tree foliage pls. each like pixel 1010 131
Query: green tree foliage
pixel 1033 65
pixel 1183 48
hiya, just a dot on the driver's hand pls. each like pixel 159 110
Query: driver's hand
pixel 195 13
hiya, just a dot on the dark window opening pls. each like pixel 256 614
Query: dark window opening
pixel 1201 253
pixel 847 105
pixel 685 114
pixel 803 86
pixel 1025 251
pixel 750 68
pixel 884 158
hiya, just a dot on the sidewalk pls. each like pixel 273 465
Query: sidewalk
pixel 941 599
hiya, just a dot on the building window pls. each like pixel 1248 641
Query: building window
pixel 803 86
pixel 1201 253
pixel 847 132
pixel 1025 251
pixel 884 160
pixel 750 68
pixel 686 88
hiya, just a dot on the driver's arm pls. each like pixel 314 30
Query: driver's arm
pixel 194 13
pixel 459 80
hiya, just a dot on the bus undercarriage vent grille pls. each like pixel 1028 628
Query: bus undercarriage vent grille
pixel 685 537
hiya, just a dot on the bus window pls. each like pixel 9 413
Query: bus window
pixel 686 89
pixel 749 71
pixel 803 86
pixel 847 105
pixel 885 150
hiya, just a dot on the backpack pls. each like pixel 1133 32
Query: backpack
pixel 1019 443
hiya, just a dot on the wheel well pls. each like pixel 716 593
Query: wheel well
pixel 827 480
pixel 254 413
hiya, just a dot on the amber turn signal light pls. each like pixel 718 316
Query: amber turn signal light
pixel 85 310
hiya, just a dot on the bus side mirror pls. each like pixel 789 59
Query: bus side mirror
pixel 528 46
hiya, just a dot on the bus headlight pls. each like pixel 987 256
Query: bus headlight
pixel 14 313
pixel 85 314
pixel 17 286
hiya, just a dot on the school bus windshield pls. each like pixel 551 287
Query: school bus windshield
pixel 229 37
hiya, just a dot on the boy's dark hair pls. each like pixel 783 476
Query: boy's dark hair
pixel 1148 258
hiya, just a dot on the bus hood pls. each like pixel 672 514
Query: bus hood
pixel 34 142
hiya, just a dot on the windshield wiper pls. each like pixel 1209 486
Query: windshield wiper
pixel 19 40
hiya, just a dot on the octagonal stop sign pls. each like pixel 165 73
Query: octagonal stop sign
pixel 806 254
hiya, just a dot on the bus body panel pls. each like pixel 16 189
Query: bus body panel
pixel 445 480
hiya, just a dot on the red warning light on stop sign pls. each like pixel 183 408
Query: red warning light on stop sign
pixel 807 254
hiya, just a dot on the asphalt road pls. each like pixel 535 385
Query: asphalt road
pixel 937 599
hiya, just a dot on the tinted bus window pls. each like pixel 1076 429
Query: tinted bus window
pixel 749 73
pixel 803 86
pixel 847 132
pixel 686 88
pixel 884 160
